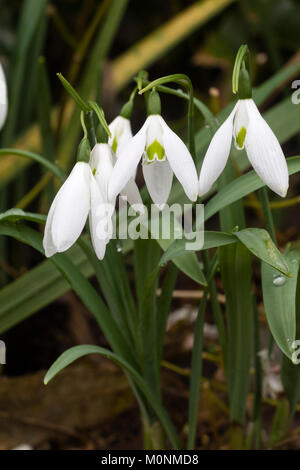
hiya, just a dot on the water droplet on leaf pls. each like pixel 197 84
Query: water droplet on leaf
pixel 279 280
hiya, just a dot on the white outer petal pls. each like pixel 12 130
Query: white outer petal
pixel 120 127
pixel 265 153
pixel 180 161
pixel 216 155
pixel 97 216
pixel 158 178
pixel 48 243
pixel 127 162
pixel 3 98
pixel 71 208
pixel 102 160
pixel 132 194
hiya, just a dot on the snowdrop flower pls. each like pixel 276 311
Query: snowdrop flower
pixel 83 195
pixel 3 98
pixel 69 211
pixel 121 134
pixel 249 131
pixel 163 154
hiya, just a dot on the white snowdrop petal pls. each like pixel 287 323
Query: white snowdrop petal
pixel 48 244
pixel 120 129
pixel 265 153
pixel 3 98
pixel 216 155
pixel 127 162
pixel 158 178
pixel 71 207
pixel 102 164
pixel 98 220
pixel 132 194
pixel 180 161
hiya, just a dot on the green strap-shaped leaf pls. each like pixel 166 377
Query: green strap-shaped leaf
pixel 235 261
pixel 81 286
pixel 279 294
pixel 37 288
pixel 290 372
pixel 14 215
pixel 76 352
pixel 259 242
pixel 212 239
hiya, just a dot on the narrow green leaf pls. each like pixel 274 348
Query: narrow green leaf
pixel 55 169
pixel 36 289
pixel 80 285
pixel 211 240
pixel 76 352
pixel 290 372
pixel 280 423
pixel 235 262
pixel 15 214
pixel 279 294
pixel 30 18
pixel 163 306
pixel 196 374
pixel 259 242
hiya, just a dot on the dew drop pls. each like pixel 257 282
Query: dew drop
pixel 119 248
pixel 279 280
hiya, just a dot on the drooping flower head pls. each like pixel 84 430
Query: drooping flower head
pixel 249 130
pixel 163 153
pixel 83 195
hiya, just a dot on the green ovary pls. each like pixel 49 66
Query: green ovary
pixel 114 145
pixel 155 149
pixel 240 139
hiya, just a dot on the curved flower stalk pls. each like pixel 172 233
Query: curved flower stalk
pixel 121 134
pixel 163 154
pixel 83 194
pixel 3 98
pixel 249 131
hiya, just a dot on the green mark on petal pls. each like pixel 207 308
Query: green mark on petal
pixel 114 145
pixel 94 171
pixel 155 149
pixel 241 137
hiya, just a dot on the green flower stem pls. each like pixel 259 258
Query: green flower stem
pixel 265 204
